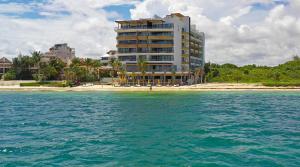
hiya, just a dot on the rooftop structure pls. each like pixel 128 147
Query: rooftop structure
pixel 170 46
pixel 108 56
pixel 61 51
pixel 5 65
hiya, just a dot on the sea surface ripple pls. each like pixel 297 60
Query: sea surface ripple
pixel 150 129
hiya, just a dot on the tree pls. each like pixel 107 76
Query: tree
pixel 50 70
pixel 36 57
pixel 228 65
pixel 237 75
pixel 87 70
pixel 22 67
pixel 198 73
pixel 10 75
pixel 142 65
pixel 276 76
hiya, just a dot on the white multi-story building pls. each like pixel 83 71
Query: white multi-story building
pixel 170 46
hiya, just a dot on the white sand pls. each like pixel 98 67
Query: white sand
pixel 199 87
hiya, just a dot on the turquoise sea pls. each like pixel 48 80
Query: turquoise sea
pixel 150 129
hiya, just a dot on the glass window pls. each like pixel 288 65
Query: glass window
pixel 162 42
pixel 162 58
pixel 162 50
pixel 127 58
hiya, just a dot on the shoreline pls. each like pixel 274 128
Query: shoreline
pixel 214 87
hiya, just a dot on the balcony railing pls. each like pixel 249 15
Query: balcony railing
pixel 154 26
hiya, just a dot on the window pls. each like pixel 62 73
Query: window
pixel 142 57
pixel 162 58
pixel 143 33
pixel 127 50
pixel 143 50
pixel 159 68
pixel 162 50
pixel 127 42
pixel 127 58
pixel 162 42
pixel 161 34
pixel 132 68
pixel 143 41
pixel 127 34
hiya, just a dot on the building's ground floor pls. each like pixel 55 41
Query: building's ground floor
pixel 158 79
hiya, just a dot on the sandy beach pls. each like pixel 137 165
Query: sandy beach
pixel 199 87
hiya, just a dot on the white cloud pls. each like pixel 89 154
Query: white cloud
pixel 83 24
pixel 14 8
pixel 236 31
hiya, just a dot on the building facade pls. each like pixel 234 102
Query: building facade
pixel 108 56
pixel 5 66
pixel 170 46
pixel 61 51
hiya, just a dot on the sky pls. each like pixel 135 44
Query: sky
pixel 263 32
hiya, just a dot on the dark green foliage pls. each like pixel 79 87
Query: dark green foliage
pixel 284 74
pixel 86 70
pixel 10 75
pixel 283 84
pixel 50 70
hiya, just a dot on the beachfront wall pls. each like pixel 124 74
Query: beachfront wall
pixel 170 46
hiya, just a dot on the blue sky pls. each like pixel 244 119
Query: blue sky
pixel 238 31
pixel 123 10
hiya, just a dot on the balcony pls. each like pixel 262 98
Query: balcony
pixel 154 26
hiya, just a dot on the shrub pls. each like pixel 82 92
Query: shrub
pixel 10 75
pixel 47 84
pixel 284 84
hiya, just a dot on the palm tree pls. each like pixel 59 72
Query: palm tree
pixel 36 57
pixel 142 64
pixel 165 72
pixel 197 73
pixel 116 64
pixel 123 74
pixel 173 76
pixel 133 75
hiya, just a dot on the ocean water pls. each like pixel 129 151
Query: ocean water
pixel 150 129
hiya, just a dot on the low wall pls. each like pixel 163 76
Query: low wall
pixel 14 83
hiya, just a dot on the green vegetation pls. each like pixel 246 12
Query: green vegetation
pixel 47 84
pixel 10 75
pixel 287 74
pixel 87 70
pixel 283 84
pixel 25 66
pixel 33 67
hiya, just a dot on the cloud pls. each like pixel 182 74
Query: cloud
pixel 14 8
pixel 264 32
pixel 238 31
pixel 83 24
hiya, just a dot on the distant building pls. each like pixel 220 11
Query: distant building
pixel 5 65
pixel 108 56
pixel 170 46
pixel 61 51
